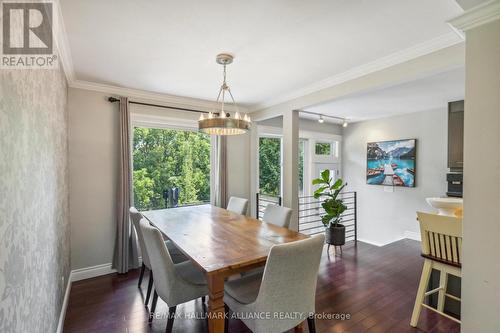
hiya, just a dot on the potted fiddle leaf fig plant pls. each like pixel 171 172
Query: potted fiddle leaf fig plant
pixel 333 206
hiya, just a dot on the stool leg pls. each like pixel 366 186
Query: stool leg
pixel 443 284
pixel 419 299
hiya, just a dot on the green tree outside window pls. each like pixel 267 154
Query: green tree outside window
pixel 166 158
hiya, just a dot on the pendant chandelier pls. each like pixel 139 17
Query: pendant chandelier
pixel 221 122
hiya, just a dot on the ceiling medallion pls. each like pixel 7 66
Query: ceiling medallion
pixel 221 122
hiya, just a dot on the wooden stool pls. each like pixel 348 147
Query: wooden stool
pixel 442 250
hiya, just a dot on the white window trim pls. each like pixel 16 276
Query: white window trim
pixel 151 121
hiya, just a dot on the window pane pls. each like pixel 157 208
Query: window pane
pixel 323 148
pixel 171 168
pixel 270 166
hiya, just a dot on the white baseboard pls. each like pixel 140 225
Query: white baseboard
pixel 82 274
pixel 94 271
pixel 413 235
pixel 377 243
pixel 407 234
pixel 62 315
pixel 90 272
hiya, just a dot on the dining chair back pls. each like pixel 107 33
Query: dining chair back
pixel 441 238
pixel 161 262
pixel 174 283
pixel 169 285
pixel 136 217
pixel 442 251
pixel 237 205
pixel 277 215
pixel 297 263
pixel 288 287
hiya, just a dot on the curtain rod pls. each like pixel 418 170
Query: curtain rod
pixel 114 99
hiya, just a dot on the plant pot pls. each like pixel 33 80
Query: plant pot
pixel 335 235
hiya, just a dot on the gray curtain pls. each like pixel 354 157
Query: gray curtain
pixel 219 165
pixel 125 255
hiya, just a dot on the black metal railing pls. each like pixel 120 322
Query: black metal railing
pixel 263 200
pixel 310 212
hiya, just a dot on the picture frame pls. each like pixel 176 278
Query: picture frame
pixel 391 162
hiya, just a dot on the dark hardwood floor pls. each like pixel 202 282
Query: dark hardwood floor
pixel 375 286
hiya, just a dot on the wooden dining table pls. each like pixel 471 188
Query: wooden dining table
pixel 221 243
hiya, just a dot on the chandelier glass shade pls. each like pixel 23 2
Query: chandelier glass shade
pixel 221 122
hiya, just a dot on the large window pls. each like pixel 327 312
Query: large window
pixel 270 166
pixel 171 168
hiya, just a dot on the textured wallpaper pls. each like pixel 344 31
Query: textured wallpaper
pixel 34 226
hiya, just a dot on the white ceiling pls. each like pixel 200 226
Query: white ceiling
pixel 280 46
pixel 433 92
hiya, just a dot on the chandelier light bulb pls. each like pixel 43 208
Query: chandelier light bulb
pixel 201 117
pixel 237 115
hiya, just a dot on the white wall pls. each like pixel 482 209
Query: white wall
pixel 93 158
pixel 384 217
pixel 93 161
pixel 481 229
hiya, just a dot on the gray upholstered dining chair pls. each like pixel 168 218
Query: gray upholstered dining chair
pixel 287 287
pixel 174 283
pixel 277 215
pixel 176 255
pixel 237 205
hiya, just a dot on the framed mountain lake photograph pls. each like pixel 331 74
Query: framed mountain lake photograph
pixel 391 163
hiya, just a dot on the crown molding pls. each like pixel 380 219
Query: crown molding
pixel 144 95
pixel 393 59
pixel 477 16
pixel 64 54
pixel 62 43
pixel 436 44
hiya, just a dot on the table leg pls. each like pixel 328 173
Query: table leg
pixel 215 303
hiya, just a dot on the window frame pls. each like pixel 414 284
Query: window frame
pixel 140 119
pixel 271 136
pixel 321 142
